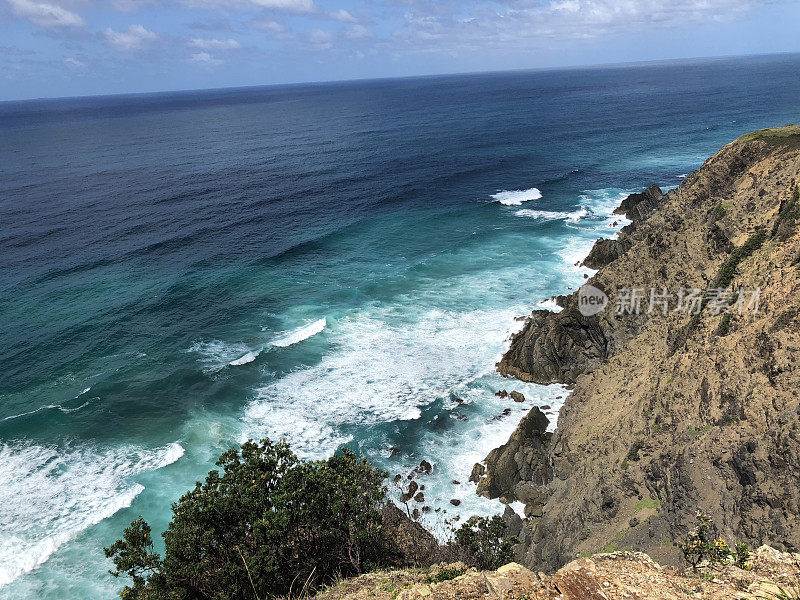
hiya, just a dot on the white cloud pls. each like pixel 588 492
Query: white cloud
pixel 272 26
pixel 292 6
pixel 205 59
pixel 214 44
pixel 133 5
pixel 323 40
pixel 45 14
pixel 74 63
pixel 297 6
pixel 358 32
pixel 343 16
pixel 523 22
pixel 133 39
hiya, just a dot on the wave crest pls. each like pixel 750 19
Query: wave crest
pixel 49 496
pixel 516 197
pixel 300 334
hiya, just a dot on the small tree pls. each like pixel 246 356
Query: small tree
pixel 701 546
pixel 267 524
pixel 484 540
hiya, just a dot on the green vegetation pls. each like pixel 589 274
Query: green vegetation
pixel 788 215
pixel 633 452
pixel 693 433
pixel 484 539
pixel 789 135
pixel 723 280
pixel 719 210
pixel 783 319
pixel 614 546
pixel 647 503
pixel 447 574
pixel 703 548
pixel 268 524
pixel 746 250
pixel 725 324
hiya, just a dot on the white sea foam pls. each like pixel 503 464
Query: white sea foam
pixel 454 454
pixel 50 495
pixel 300 334
pixel 247 358
pixel 549 215
pixel 384 364
pixel 516 197
pixel 215 355
pixel 550 305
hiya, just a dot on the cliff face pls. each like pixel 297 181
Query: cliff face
pixel 674 412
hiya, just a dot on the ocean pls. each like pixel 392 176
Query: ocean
pixel 337 263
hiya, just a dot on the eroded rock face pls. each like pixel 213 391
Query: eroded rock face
pixel 556 348
pixel 409 541
pixel 650 433
pixel 637 207
pixel 519 468
pixel 604 252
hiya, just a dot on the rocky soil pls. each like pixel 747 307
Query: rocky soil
pixel 671 412
pixel 617 576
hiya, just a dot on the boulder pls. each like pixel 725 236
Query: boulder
pixel 517 396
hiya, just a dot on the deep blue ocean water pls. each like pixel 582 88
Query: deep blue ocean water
pixel 333 263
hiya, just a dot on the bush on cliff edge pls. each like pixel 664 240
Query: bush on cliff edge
pixel 268 524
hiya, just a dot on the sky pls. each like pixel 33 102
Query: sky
pixel 53 48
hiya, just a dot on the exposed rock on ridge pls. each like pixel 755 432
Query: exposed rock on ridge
pixel 615 576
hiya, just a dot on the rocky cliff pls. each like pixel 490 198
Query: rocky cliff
pixel 672 411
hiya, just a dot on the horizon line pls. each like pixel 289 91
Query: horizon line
pixel 575 67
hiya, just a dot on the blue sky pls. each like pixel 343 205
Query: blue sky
pixel 79 47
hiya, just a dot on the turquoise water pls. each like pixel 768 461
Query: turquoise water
pixel 336 264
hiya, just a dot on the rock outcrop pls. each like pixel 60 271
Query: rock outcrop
pixel 517 470
pixel 615 576
pixel 672 411
pixel 637 207
pixel 605 252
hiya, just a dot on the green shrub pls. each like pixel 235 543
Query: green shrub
pixel 447 574
pixel 746 250
pixel 484 540
pixel 267 525
pixel 788 214
pixel 703 548
pixel 633 451
pixel 783 319
pixel 741 556
pixel 725 324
